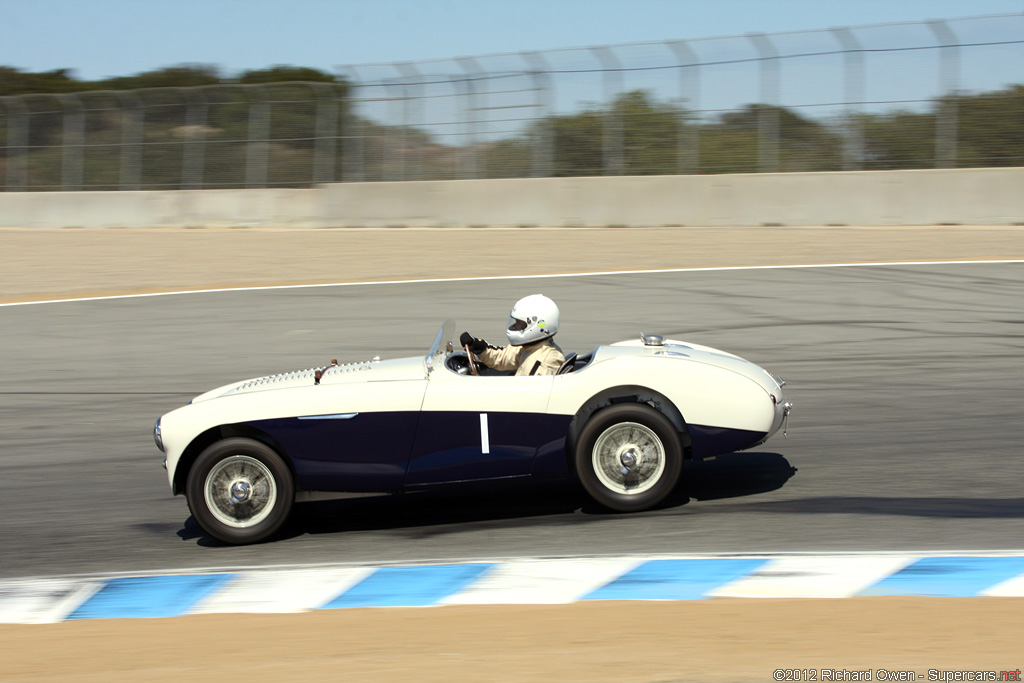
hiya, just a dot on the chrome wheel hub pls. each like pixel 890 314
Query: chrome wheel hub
pixel 240 491
pixel 629 458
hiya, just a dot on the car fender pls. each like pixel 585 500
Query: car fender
pixel 185 426
pixel 703 394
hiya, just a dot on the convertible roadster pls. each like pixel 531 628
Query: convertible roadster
pixel 622 418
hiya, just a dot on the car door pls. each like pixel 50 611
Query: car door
pixel 476 428
pixel 352 437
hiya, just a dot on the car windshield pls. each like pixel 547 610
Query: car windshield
pixel 435 356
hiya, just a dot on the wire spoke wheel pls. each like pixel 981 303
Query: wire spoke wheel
pixel 629 458
pixel 240 491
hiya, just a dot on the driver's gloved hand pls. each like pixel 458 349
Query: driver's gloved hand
pixel 475 345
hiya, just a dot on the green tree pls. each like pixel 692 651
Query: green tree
pixel 282 73
pixel 990 128
pixel 648 130
pixel 182 76
pixel 731 144
pixel 900 139
pixel 654 136
pixel 578 143
pixel 650 133
pixel 17 82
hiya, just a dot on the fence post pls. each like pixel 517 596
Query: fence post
pixel 72 143
pixel 472 159
pixel 768 116
pixel 688 141
pixel 132 126
pixel 257 149
pixel 413 78
pixel 353 143
pixel 543 136
pixel 853 80
pixel 949 84
pixel 392 143
pixel 195 138
pixel 17 144
pixel 325 146
pixel 613 158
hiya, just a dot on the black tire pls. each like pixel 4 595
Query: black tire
pixel 638 438
pixel 240 491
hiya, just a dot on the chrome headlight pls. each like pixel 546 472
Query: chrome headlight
pixel 157 436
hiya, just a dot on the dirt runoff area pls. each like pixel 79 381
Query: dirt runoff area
pixel 942 639
pixel 73 263
pixel 713 640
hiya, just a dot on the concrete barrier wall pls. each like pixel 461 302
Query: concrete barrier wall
pixel 960 196
pixel 162 209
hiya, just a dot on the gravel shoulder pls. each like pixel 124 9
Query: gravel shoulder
pixel 593 642
pixel 56 264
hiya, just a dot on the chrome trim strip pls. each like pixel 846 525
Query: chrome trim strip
pixel 336 416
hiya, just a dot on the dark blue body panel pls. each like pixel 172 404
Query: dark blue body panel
pixel 707 442
pixel 367 453
pixel 389 451
pixel 449 446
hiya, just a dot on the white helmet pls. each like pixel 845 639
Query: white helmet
pixel 532 318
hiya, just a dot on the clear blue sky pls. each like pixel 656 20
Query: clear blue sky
pixel 102 38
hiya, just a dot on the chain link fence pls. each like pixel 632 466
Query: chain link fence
pixel 937 94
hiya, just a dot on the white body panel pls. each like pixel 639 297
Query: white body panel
pixel 705 395
pixel 450 391
pixel 709 387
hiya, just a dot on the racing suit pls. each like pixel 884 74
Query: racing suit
pixel 539 358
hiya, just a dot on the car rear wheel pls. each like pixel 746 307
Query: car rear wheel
pixel 629 457
pixel 240 491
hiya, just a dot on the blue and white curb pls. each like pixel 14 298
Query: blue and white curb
pixel 526 581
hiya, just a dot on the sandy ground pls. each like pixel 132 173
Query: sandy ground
pixel 47 264
pixel 714 640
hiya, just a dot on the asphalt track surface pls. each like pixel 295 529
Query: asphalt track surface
pixel 906 433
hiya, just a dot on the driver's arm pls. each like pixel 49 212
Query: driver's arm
pixel 499 358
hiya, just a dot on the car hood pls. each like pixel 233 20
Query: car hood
pixel 345 373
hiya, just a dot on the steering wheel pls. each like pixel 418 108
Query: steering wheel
pixel 469 357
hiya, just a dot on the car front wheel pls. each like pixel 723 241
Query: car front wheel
pixel 629 457
pixel 240 491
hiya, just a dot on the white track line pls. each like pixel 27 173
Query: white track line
pixel 520 277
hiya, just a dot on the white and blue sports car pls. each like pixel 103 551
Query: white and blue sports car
pixel 622 418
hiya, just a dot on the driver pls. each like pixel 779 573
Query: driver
pixel 531 351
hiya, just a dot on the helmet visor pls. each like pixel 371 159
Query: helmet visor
pixel 516 325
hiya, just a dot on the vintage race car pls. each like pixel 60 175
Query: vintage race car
pixel 621 418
